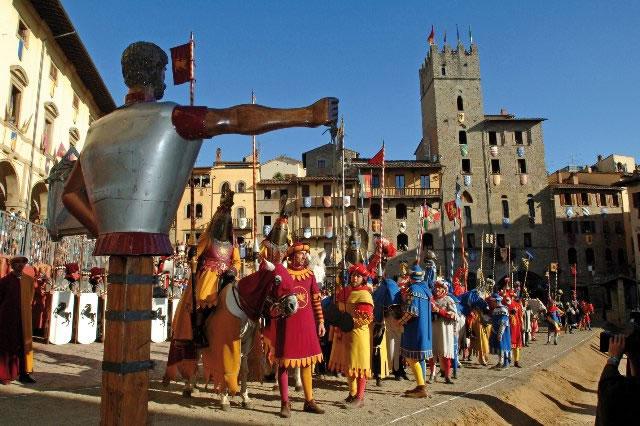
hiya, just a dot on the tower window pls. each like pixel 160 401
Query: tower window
pixel 518 137
pixel 495 167
pixel 444 71
pixel 590 255
pixel 322 164
pixel 427 241
pixel 401 211
pixel 460 103
pixel 505 207
pixel 522 165
pixel 466 166
pixel 462 137
pixel 532 206
pixel 402 241
pixel 493 138
pixel 467 216
pixel 527 239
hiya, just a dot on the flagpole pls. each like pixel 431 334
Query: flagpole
pixel 344 214
pixel 381 212
pixel 254 160
pixel 192 239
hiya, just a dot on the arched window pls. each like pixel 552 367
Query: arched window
pixel 401 211
pixel 402 241
pixel 466 197
pixel 590 255
pixel 622 257
pixel 375 211
pixel 608 256
pixel 241 212
pixel 241 187
pixel 505 207
pixel 187 212
pixel 198 210
pixel 225 187
pixel 427 241
pixel 460 104
pixel 572 256
pixel 462 137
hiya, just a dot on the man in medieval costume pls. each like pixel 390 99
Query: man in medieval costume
pixel 416 346
pixel 500 340
pixel 296 337
pixel 444 335
pixel 554 322
pixel 16 351
pixel 218 263
pixel 512 302
pixel 351 352
pixel 386 296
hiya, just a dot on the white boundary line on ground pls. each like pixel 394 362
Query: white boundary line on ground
pixel 493 383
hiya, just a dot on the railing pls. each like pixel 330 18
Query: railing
pixel 242 223
pixel 326 201
pixel 308 232
pixel 393 191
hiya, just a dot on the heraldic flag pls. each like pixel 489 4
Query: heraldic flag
pixel 378 159
pixel 182 61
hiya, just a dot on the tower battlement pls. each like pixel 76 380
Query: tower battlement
pixel 449 63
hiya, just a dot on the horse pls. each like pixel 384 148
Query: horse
pixel 268 291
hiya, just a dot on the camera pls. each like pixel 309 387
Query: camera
pixel 631 333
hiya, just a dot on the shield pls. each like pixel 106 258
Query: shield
pixel 464 150
pixel 87 318
pixel 467 180
pixel 569 211
pixel 403 226
pixel 307 233
pixel 493 150
pixel 306 201
pixel 328 232
pixel 520 151
pixel 266 229
pixel 524 179
pixel 61 319
pixel 347 200
pixel 160 306
pixel 242 222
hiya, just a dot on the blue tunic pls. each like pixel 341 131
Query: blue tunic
pixel 416 339
pixel 500 319
pixel 387 294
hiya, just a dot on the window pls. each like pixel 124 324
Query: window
pixel 618 228
pixel 608 256
pixel 532 206
pixel 603 199
pixel 605 227
pixel 500 240
pixel 471 240
pixel 622 257
pixel 467 216
pixel 636 200
pixel 584 198
pixel 305 191
pixel 241 212
pixel 402 241
pixel 76 107
pixel 399 181
pixel 460 103
pixel 284 193
pixel 495 166
pixel 375 211
pixel 493 138
pixel 427 241
pixel 375 181
pixel 590 255
pixel 505 207
pixel 425 182
pixel 588 227
pixel 15 102
pixel 443 70
pixel 401 211
pixel 518 137
pixel 241 187
pixel 53 76
pixel 466 166
pixel 328 220
pixel 462 137
pixel 572 256
pixel 306 220
pixel 267 194
pixel 527 239
pixel 226 187
pixel 522 166
pixel 198 210
pixel 326 190
pixel 322 163
pixel 188 211
pixel 616 200
pixel 23 38
pixel 47 135
pixel 266 220
pixel 570 227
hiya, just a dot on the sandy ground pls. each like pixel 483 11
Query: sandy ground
pixel 556 386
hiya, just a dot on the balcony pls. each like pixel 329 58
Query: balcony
pixel 325 202
pixel 395 192
pixel 306 233
pixel 243 223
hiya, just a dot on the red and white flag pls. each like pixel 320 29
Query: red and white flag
pixel 182 63
pixel 378 159
pixel 432 37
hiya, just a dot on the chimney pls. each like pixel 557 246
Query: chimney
pixel 218 155
pixel 503 111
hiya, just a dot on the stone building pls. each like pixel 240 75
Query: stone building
pixel 497 161
pixel 50 92
pixel 589 231
pixel 281 167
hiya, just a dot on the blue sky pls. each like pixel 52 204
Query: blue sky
pixel 572 62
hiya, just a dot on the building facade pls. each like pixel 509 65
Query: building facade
pixel 50 93
pixel 281 167
pixel 495 163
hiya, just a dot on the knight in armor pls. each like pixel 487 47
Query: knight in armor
pixel 512 302
pixel 351 352
pixel 274 247
pixel 500 340
pixel 416 346
pixel 218 264
pixel 296 337
pixel 129 202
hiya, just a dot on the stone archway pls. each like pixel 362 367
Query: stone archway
pixel 9 187
pixel 39 197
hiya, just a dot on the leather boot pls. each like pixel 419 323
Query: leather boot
pixel 312 407
pixel 285 410
pixel 418 392
pixel 356 403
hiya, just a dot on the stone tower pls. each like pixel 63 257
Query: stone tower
pixel 497 161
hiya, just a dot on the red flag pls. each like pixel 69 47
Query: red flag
pixel 451 209
pixel 182 61
pixel 61 150
pixel 574 270
pixel 432 37
pixel 378 159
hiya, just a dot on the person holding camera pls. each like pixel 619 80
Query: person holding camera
pixel 618 394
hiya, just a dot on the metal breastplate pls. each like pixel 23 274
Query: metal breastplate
pixel 217 256
pixel 136 167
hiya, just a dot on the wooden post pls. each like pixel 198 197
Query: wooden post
pixel 127 350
